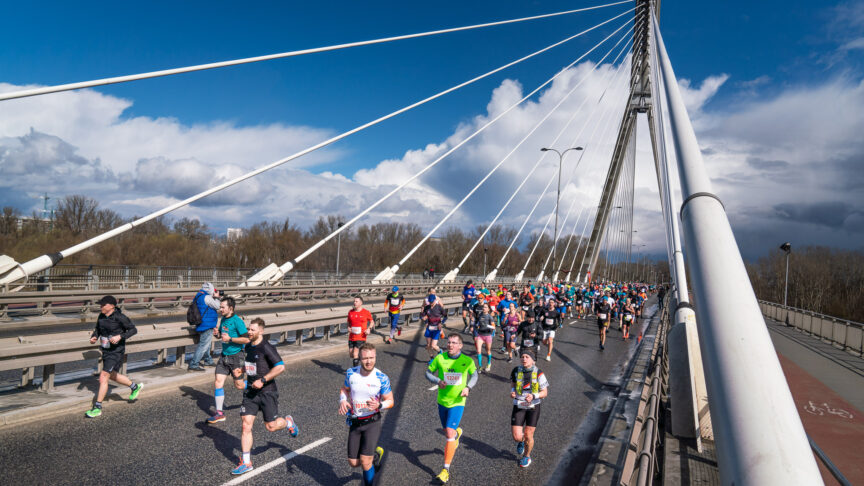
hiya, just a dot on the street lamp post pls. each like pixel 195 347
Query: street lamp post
pixel 558 196
pixel 338 248
pixel 786 247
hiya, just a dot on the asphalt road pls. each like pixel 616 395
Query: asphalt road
pixel 164 439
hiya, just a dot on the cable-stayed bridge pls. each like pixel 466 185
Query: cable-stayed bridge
pixel 725 380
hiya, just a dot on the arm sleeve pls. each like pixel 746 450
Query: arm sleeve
pixel 432 377
pixel 129 329
pixel 385 384
pixel 472 379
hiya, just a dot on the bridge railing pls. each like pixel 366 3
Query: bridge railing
pixel 845 334
pixel 84 302
pixel 25 353
pixel 96 277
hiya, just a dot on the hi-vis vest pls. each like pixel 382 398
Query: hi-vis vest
pixel 520 378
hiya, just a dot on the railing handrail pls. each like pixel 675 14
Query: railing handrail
pixel 813 313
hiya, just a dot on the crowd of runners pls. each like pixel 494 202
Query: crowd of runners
pixel 518 323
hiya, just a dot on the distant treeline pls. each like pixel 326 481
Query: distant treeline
pixel 186 242
pixel 821 279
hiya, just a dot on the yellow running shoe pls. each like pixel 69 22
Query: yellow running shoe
pixel 444 476
pixel 458 435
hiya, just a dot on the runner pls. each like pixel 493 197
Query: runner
pixel 360 323
pixel 263 364
pixel 485 328
pixel 526 301
pixel 432 315
pixel 468 294
pixel 365 393
pixel 234 336
pixel 504 308
pixel 604 313
pixel 629 317
pixel 529 387
pixel 510 326
pixel 455 374
pixel 394 303
pixel 112 330
pixel 529 332
pixel 577 303
pixel 549 324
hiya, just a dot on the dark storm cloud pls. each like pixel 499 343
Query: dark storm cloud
pixel 832 214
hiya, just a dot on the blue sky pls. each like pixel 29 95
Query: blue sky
pixel 739 57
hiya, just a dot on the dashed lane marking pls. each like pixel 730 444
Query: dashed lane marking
pixel 274 463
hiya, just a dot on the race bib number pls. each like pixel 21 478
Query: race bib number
pixel 432 328
pixel 628 317
pixel 521 403
pixel 453 378
pixel 550 321
pixel 601 316
pixel 250 368
pixel 528 343
pixel 360 408
pixel 395 302
pixel 356 330
pixel 104 342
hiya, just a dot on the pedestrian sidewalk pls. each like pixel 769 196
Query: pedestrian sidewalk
pixel 22 406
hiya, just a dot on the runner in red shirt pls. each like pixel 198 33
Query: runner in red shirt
pixel 359 320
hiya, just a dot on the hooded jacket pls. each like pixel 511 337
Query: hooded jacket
pixel 208 306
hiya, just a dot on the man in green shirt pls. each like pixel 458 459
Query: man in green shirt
pixel 234 335
pixel 455 374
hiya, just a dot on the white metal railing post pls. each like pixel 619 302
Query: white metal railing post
pixel 759 436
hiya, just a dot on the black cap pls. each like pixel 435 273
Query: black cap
pixel 108 299
pixel 529 313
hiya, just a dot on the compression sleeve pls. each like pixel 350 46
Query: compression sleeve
pixel 432 377
pixel 472 380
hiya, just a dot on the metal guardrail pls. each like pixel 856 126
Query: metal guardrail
pixel 48 350
pixel 94 277
pixel 645 436
pixel 22 304
pixel 846 334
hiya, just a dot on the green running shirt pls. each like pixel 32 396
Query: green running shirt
pixel 455 372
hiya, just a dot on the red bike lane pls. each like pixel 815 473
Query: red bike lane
pixel 835 425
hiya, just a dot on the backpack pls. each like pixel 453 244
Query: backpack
pixel 193 314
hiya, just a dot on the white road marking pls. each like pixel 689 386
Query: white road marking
pixel 276 462
pixel 432 387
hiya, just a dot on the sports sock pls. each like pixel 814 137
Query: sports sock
pixel 97 405
pixel 489 357
pixel 247 457
pixel 219 394
pixel 449 452
pixel 480 359
pixel 368 476
pixel 132 386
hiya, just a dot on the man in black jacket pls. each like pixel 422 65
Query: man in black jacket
pixel 112 330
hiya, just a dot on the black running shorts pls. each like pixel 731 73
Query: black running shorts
pixel 265 400
pixel 362 439
pixel 525 416
pixel 112 361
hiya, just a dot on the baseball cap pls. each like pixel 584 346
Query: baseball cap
pixel 395 289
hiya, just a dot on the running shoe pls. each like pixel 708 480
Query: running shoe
pixel 458 435
pixel 292 427
pixel 548 358
pixel 388 341
pixel 217 417
pixel 399 331
pixel 488 367
pixel 241 468
pixel 503 349
pixel 602 347
pixel 520 447
pixel 135 392
pixel 379 453
pixel 93 412
pixel 509 360
pixel 195 368
pixel 525 461
pixel 443 476
pixel 209 363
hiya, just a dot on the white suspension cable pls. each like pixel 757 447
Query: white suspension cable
pixel 492 274
pixel 386 274
pixel 567 246
pixel 453 272
pixel 247 60
pixel 21 271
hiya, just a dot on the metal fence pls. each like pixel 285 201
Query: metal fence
pixel 95 277
pixel 845 334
